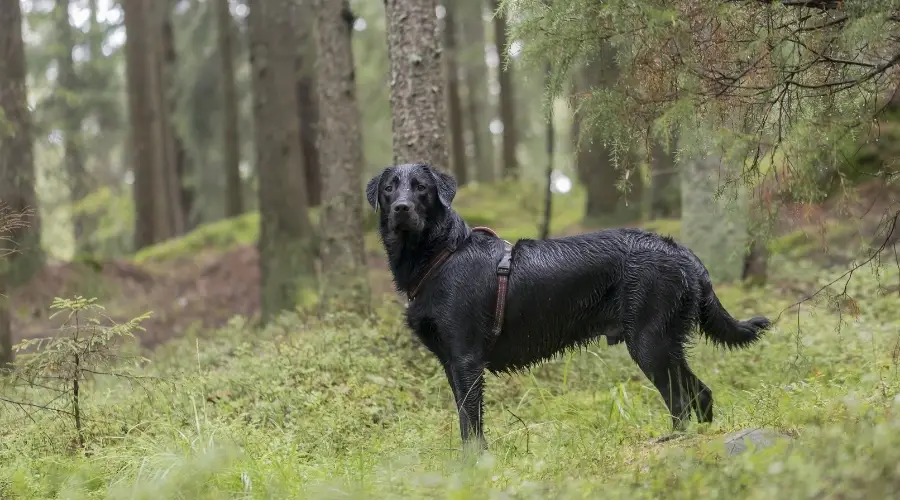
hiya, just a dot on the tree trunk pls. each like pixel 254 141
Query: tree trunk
pixel 593 163
pixel 478 107
pixel 83 225
pixel 756 263
pixel 17 174
pixel 418 114
pixel 168 140
pixel 142 117
pixel 763 214
pixel 162 218
pixel 454 105
pixel 596 169
pixel 510 165
pixel 548 192
pixel 307 105
pixel 286 251
pixel 183 191
pixel 234 204
pixel 103 107
pixel 665 199
pixel 598 174
pixel 345 277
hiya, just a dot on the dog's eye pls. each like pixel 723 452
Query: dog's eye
pixel 388 188
pixel 421 187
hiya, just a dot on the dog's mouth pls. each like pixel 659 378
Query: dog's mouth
pixel 404 222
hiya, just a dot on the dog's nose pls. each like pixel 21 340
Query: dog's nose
pixel 401 206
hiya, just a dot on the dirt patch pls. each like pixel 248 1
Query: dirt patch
pixel 203 292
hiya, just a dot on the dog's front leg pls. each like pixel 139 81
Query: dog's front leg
pixel 466 377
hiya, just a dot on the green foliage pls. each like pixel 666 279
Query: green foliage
pixel 49 373
pixel 758 78
pixel 342 406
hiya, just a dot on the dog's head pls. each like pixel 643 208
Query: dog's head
pixel 409 195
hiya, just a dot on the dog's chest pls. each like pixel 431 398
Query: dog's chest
pixel 426 330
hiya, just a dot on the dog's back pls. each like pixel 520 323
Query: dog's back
pixel 568 291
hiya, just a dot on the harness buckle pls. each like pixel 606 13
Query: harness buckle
pixel 505 262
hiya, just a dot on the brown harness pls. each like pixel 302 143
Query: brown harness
pixel 503 270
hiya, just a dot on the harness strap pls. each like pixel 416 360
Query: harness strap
pixel 503 270
pixel 435 264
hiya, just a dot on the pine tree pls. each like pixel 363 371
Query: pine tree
pixel 345 277
pixel 286 240
pixel 17 174
pixel 230 134
pixel 418 111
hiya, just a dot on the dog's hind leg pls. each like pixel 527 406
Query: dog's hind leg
pixel 700 394
pixel 661 359
pixel 466 377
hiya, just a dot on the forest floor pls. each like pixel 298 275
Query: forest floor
pixel 343 407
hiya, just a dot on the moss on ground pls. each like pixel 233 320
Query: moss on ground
pixel 219 236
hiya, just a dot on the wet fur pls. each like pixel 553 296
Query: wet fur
pixel 563 293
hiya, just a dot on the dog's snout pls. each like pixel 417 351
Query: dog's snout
pixel 401 206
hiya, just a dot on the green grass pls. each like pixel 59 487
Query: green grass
pixel 345 408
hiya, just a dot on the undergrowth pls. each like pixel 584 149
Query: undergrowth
pixel 343 407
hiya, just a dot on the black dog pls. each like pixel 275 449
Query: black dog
pixel 628 284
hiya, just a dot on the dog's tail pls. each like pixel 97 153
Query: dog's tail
pixel 721 328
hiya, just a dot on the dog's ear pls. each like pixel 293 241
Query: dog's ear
pixel 446 187
pixel 372 188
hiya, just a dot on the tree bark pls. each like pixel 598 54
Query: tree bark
pixel 418 114
pixel 142 117
pixel 345 277
pixel 286 240
pixel 510 165
pixel 83 225
pixel 17 174
pixel 454 104
pixel 478 106
pixel 307 105
pixel 234 203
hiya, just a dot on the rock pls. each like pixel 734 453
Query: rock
pixel 738 442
